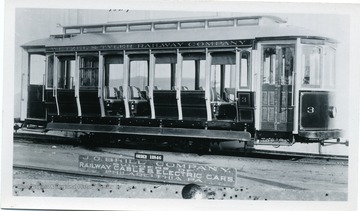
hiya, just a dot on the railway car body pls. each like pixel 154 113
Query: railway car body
pixel 236 78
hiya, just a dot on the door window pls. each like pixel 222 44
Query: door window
pixel 278 65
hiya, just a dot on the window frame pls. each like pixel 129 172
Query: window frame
pixel 249 69
pixel 107 64
pixel 321 69
pixel 96 69
pixel 67 63
pixel 199 67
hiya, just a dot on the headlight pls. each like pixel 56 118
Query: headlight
pixel 332 111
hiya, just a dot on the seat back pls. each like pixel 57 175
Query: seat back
pixel 193 104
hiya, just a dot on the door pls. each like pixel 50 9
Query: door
pixel 276 87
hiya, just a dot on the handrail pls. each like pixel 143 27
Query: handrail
pixel 43 88
pixel 293 89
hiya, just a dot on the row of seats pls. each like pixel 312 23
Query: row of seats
pixel 135 93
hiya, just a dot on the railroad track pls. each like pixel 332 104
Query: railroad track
pixel 258 153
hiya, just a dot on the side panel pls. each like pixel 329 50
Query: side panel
pixel 246 106
pixel 314 110
pixel 36 106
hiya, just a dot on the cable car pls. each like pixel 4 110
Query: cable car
pixel 215 79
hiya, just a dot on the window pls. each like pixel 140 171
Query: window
pixel 220 23
pixel 114 76
pixel 163 76
pixel 193 71
pixel 66 72
pixel 140 27
pixel 89 69
pixel 120 28
pixel 50 72
pixel 278 65
pixel 311 66
pixel 244 69
pixel 329 67
pixel 159 26
pixel 165 71
pixel 192 24
pixel 287 65
pixel 222 79
pixel 87 30
pixel 139 74
pixel 72 31
pixel 269 66
pixel 37 64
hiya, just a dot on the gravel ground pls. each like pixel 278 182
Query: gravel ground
pixel 40 183
pixel 257 179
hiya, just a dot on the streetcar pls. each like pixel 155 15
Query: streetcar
pixel 247 79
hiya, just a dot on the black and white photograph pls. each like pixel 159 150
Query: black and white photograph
pixel 180 105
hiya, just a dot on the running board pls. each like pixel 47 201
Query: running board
pixel 223 135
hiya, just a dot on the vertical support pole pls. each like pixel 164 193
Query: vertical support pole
pixel 43 87
pixel 207 85
pixel 237 72
pixel 277 73
pixel 179 82
pixel 257 63
pixel 77 83
pixel 197 74
pixel 172 75
pixel 46 75
pixel 126 84
pixel 100 84
pixel 296 83
pixel 55 83
pixel 25 72
pixel 222 81
pixel 151 83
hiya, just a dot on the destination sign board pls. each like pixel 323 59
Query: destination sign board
pixel 162 45
pixel 160 171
